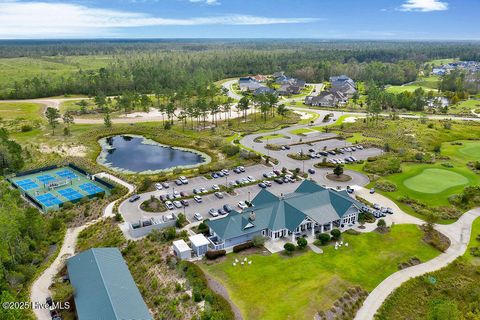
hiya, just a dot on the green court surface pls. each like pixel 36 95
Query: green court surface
pixel 435 181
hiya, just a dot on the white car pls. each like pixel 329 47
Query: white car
pixel 183 179
pixel 203 190
pixel 158 186
pixel 177 194
pixel 198 216
pixel 177 204
pixel 169 205
pixel 215 187
pixel 242 205
pixel 198 199
pixel 250 178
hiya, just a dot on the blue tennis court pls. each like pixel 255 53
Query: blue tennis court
pixel 90 188
pixel 46 178
pixel 27 184
pixel 70 194
pixel 66 174
pixel 48 200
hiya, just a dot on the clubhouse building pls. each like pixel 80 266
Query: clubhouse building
pixel 310 209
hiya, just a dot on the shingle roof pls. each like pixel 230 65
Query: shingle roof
pixel 104 287
pixel 271 212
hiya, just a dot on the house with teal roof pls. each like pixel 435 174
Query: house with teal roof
pixel 310 209
pixel 104 287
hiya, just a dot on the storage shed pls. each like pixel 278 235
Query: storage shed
pixel 182 250
pixel 199 244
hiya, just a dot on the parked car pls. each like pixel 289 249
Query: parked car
pixel 250 178
pixel 233 184
pixel 49 301
pixel 332 152
pixel 196 191
pixel 170 196
pixel 185 202
pixel 215 187
pixel 158 186
pixel 372 191
pixel 277 172
pixel 237 171
pixel 283 148
pixel 214 175
pixel 262 185
pixel 169 205
pixel 350 190
pixel 203 190
pixel 220 174
pixel 134 198
pixel 267 183
pixel 242 205
pixel 278 180
pixel 376 206
pixel 178 182
pixel 227 208
pixel 165 185
pixel 389 211
pixel 311 171
pixel 241 168
pixel 183 194
pixel 177 204
pixel 222 212
pixel 213 212
pixel 287 147
pixel 183 179
pixel 163 198
pixel 226 172
pixel 176 194
pixel 198 216
pixel 219 195
pixel 198 199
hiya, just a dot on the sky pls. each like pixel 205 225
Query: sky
pixel 321 19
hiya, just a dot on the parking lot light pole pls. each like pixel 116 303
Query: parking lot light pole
pixel 249 198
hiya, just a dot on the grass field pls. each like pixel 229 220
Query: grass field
pixel 450 293
pixel 20 110
pixel 301 131
pixel 465 107
pixel 19 69
pixel 427 83
pixel 433 181
pixel 297 287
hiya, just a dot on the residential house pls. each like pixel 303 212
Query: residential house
pixel 310 209
pixel 104 287
pixel 260 78
pixel 344 84
pixel 248 84
pixel 264 90
pixel 288 89
pixel 324 99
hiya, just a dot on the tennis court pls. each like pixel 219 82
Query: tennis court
pixel 51 188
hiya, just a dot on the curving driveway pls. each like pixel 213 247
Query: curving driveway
pixel 458 233
pixel 40 287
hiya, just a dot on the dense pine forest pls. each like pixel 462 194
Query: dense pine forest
pixel 157 66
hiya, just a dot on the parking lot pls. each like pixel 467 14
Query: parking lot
pixel 132 213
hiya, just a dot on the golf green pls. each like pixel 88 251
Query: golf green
pixel 471 150
pixel 434 181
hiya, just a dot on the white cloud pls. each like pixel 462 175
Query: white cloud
pixel 424 5
pixel 50 20
pixel 207 2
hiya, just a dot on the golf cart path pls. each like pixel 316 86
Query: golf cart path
pixel 40 287
pixel 459 235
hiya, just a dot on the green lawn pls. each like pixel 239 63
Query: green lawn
pixel 426 83
pixel 19 69
pixel 450 293
pixel 297 287
pixel 273 136
pixel 301 131
pixel 20 110
pixel 465 107
pixel 435 181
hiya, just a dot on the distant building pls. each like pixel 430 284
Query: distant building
pixel 308 210
pixel 324 99
pixel 248 84
pixel 182 250
pixel 260 78
pixel 104 287
pixel 343 84
pixel 288 89
pixel 264 90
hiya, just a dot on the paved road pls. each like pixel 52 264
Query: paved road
pixel 458 233
pixel 40 287
pixel 132 212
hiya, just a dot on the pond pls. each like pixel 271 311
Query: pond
pixel 137 154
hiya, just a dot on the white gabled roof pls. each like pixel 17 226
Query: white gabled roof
pixel 181 245
pixel 198 240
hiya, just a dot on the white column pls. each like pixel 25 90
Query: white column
pixel 331 226
pixel 293 237
pixel 321 228
pixel 313 229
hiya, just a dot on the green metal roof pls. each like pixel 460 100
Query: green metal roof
pixel 104 287
pixel 271 212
